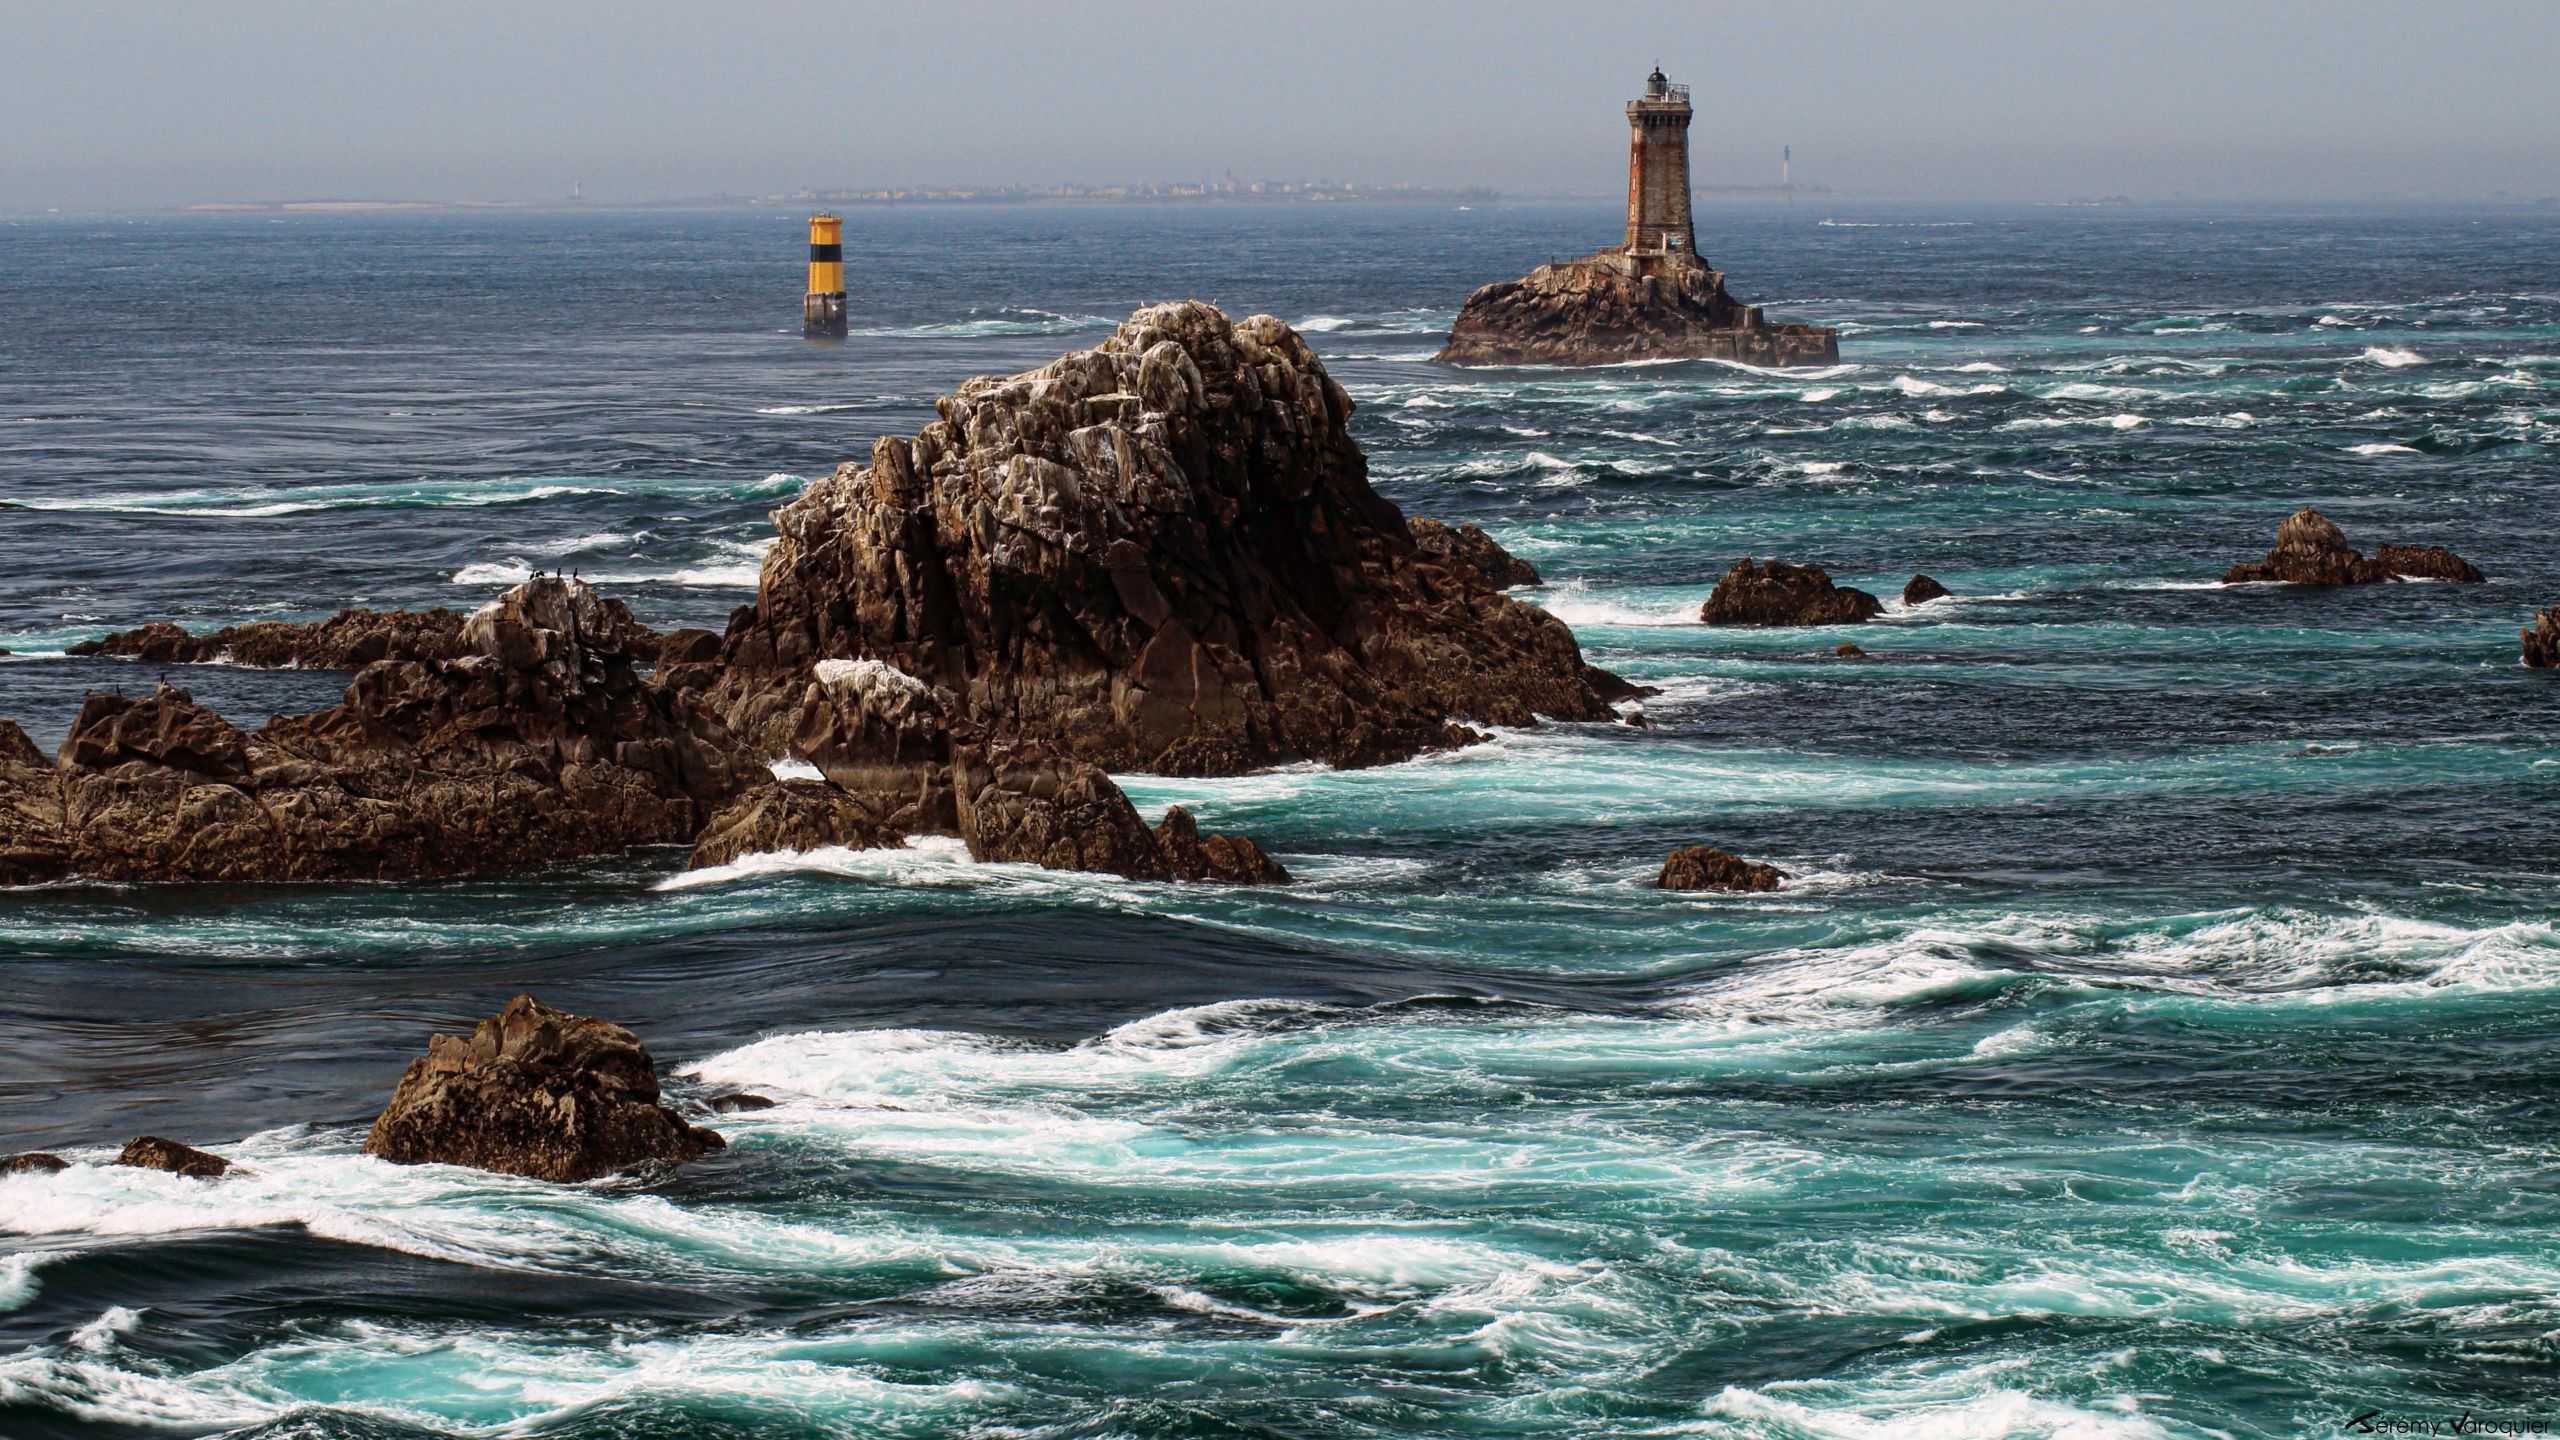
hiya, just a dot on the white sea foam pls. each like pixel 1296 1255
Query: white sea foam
pixel 2378 448
pixel 1575 603
pixel 18 1283
pixel 2391 357
pixel 510 571
pixel 924 861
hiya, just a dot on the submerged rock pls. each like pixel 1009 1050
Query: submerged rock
pixel 1701 867
pixel 150 1152
pixel 1612 307
pixel 1162 554
pixel 537 1092
pixel 1773 592
pixel 33 1162
pixel 1849 651
pixel 2311 550
pixel 2542 640
pixel 1922 590
pixel 741 1103
pixel 539 742
pixel 1468 545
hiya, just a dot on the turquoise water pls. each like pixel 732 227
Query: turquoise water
pixel 2154 1040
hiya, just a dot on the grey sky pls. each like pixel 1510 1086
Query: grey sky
pixel 105 102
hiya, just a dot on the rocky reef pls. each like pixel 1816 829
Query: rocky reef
pixel 537 1092
pixel 539 741
pixel 1611 307
pixel 2311 550
pixel 1773 592
pixel 2542 640
pixel 1162 554
pixel 1922 590
pixel 1702 867
pixel 348 640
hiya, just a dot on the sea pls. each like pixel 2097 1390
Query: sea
pixel 2159 1034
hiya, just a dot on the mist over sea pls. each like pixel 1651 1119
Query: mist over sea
pixel 2157 1040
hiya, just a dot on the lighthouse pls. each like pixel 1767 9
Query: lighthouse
pixel 822 315
pixel 1658 225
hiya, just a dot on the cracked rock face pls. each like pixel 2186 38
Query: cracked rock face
pixel 897 760
pixel 538 1092
pixel 1162 554
pixel 2311 550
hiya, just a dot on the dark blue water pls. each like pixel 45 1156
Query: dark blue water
pixel 2156 1039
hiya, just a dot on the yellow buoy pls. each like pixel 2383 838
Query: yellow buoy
pixel 822 314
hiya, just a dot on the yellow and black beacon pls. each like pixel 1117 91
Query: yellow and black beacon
pixel 822 314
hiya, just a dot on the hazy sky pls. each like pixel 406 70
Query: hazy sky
pixel 109 103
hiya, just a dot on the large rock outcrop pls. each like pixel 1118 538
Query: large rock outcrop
pixel 537 1092
pixel 1773 592
pixel 2311 550
pixel 1162 554
pixel 539 742
pixel 2542 640
pixel 1612 307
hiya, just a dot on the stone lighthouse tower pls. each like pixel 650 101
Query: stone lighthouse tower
pixel 1658 225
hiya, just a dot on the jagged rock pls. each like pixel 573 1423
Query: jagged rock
pixel 349 640
pixel 1610 307
pixel 2542 640
pixel 1922 590
pixel 33 1162
pixel 1700 867
pixel 2312 550
pixel 1161 555
pixel 1189 855
pixel 150 1152
pixel 1468 544
pixel 1848 651
pixel 1773 592
pixel 2428 562
pixel 741 1103
pixel 794 816
pixel 539 742
pixel 538 1092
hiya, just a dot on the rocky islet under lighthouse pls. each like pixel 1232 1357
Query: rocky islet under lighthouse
pixel 1651 297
